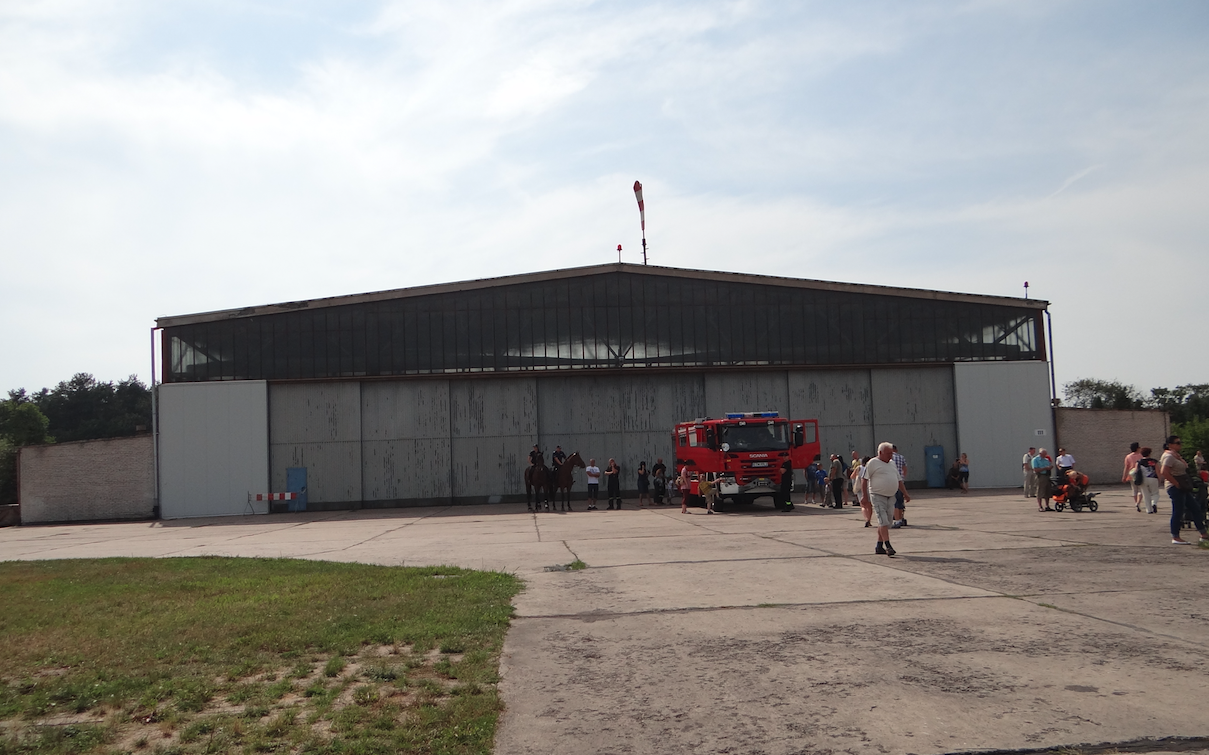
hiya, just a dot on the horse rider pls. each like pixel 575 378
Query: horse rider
pixel 557 459
pixel 535 457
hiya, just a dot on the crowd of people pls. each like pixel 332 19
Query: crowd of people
pixel 654 487
pixel 1146 475
pixel 877 484
pixel 837 483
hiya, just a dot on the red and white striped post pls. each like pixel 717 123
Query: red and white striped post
pixel 641 218
pixel 252 497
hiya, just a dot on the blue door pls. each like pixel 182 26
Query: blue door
pixel 934 461
pixel 295 482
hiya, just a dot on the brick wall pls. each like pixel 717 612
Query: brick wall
pixel 87 480
pixel 1100 438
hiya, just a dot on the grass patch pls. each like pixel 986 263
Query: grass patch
pixel 198 655
pixel 576 565
pixel 334 666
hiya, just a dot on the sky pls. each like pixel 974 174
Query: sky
pixel 170 158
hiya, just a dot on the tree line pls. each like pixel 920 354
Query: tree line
pixel 82 408
pixel 1187 405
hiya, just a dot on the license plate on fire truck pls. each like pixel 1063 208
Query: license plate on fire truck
pixel 760 464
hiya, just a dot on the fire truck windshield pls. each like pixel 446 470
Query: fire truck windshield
pixel 755 437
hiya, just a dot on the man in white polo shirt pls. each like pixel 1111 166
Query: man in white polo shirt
pixel 879 486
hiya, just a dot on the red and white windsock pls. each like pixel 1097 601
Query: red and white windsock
pixel 641 210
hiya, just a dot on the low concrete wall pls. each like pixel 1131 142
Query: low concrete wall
pixel 87 480
pixel 1100 438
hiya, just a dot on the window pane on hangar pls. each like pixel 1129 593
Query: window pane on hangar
pixel 603 321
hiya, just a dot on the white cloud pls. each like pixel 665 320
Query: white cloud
pixel 431 142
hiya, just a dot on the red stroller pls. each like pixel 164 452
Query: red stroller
pixel 1073 492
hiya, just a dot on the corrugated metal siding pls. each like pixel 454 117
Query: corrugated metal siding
pixel 841 400
pixel 460 439
pixel 317 426
pixel 493 426
pixel 913 408
pixel 406 451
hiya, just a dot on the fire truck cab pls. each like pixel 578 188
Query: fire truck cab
pixel 745 453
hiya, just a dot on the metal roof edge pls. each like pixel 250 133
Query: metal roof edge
pixel 586 271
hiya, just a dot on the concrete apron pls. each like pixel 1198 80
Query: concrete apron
pixel 995 628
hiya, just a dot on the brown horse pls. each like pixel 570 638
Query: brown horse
pixel 564 479
pixel 539 479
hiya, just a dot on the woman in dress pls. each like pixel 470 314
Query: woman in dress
pixel 644 485
pixel 613 481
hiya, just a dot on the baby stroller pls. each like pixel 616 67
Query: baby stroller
pixel 1073 492
pixel 660 489
pixel 1200 492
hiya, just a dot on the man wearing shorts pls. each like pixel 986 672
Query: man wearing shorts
pixel 1030 477
pixel 878 487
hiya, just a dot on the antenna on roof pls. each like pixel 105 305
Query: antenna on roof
pixel 1026 289
pixel 619 254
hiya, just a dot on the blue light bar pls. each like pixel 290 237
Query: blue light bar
pixel 750 415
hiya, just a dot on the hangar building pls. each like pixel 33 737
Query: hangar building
pixel 435 394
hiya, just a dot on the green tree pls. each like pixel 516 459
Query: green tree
pixel 1089 393
pixel 1195 435
pixel 84 408
pixel 21 424
pixel 1184 403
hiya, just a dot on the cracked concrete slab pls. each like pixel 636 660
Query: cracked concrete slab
pixel 997 628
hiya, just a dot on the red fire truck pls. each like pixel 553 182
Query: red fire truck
pixel 744 452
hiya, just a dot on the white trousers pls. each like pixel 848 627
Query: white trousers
pixel 1150 493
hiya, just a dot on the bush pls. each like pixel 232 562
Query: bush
pixel 1195 435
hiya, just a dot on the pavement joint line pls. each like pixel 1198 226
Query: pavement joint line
pixel 1037 602
pixel 322 520
pixel 1037 598
pixel 595 616
pixel 408 523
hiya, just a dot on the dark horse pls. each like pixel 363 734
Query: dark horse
pixel 539 479
pixel 564 480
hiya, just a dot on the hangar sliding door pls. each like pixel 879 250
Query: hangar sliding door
pixel 213 447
